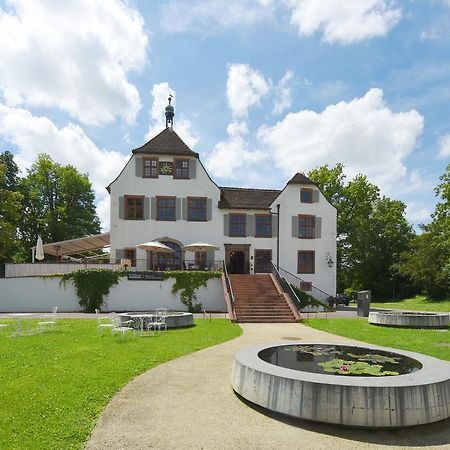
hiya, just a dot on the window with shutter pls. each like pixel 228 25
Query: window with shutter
pixel 237 225
pixel 306 195
pixel 197 210
pixel 181 169
pixel 263 225
pixel 151 168
pixel 165 208
pixel 134 207
pixel 306 226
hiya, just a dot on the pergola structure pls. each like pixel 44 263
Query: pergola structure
pixel 76 246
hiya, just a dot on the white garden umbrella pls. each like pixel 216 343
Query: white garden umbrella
pixel 199 247
pixel 39 252
pixel 155 247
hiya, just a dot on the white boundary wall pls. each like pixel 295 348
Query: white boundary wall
pixel 36 294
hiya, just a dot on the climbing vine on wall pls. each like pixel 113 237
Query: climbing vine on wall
pixel 92 285
pixel 186 284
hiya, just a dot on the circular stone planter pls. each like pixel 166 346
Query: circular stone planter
pixel 173 320
pixel 419 397
pixel 409 319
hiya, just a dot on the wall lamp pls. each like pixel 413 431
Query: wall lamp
pixel 329 260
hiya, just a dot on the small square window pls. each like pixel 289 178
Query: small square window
pixel 181 169
pixel 306 195
pixel 151 168
pixel 306 286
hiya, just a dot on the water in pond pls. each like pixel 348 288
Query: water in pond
pixel 339 360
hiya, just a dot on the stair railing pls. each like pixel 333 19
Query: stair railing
pixel 286 287
pixel 296 281
pixel 229 290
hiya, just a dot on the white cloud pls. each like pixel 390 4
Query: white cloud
pixel 346 21
pixel 68 145
pixel 229 156
pixel 431 35
pixel 444 147
pixel 282 94
pixel 417 214
pixel 73 55
pixel 183 126
pixel 245 88
pixel 364 134
pixel 213 16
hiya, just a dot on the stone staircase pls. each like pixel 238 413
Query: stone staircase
pixel 258 300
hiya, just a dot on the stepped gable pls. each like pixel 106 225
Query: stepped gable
pixel 245 198
pixel 166 143
pixel 299 178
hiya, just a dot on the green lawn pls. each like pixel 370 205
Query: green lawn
pixel 55 385
pixel 416 303
pixel 430 342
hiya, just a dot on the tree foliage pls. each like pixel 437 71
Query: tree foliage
pixel 372 231
pixel 10 213
pixel 58 203
pixel 427 262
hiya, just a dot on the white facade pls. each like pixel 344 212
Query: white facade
pixel 127 234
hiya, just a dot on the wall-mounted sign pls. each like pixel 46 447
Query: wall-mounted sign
pixel 165 168
pixel 145 276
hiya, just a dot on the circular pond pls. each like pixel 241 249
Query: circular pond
pixel 347 385
pixel 409 319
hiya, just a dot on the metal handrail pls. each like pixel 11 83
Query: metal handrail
pixel 287 288
pixel 315 292
pixel 229 287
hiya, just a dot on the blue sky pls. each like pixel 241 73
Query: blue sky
pixel 262 88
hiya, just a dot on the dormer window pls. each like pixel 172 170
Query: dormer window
pixel 151 168
pixel 181 169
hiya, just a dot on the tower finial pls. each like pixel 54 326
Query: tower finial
pixel 170 112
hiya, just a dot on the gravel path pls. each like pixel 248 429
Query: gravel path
pixel 188 403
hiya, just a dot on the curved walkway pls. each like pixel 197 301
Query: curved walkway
pixel 188 403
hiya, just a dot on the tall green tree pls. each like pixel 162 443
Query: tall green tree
pixel 10 179
pixel 10 213
pixel 58 204
pixel 427 263
pixel 372 231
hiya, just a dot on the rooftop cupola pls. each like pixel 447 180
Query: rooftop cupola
pixel 170 112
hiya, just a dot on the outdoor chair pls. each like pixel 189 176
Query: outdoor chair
pixel 48 324
pixel 159 321
pixel 122 327
pixel 103 323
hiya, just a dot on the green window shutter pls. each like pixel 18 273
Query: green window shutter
pixel 226 225
pixel 139 167
pixel 274 226
pixel 119 253
pixel 315 196
pixel 178 209
pixel 192 168
pixel 146 208
pixel 209 209
pixel 153 208
pixel 184 208
pixel 318 227
pixel 295 226
pixel 121 207
pixel 250 225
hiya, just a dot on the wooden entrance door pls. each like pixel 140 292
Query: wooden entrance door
pixel 263 260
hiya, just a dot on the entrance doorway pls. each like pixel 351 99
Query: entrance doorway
pixel 237 262
pixel 237 258
pixel 263 260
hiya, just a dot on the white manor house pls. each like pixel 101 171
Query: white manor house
pixel 164 193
